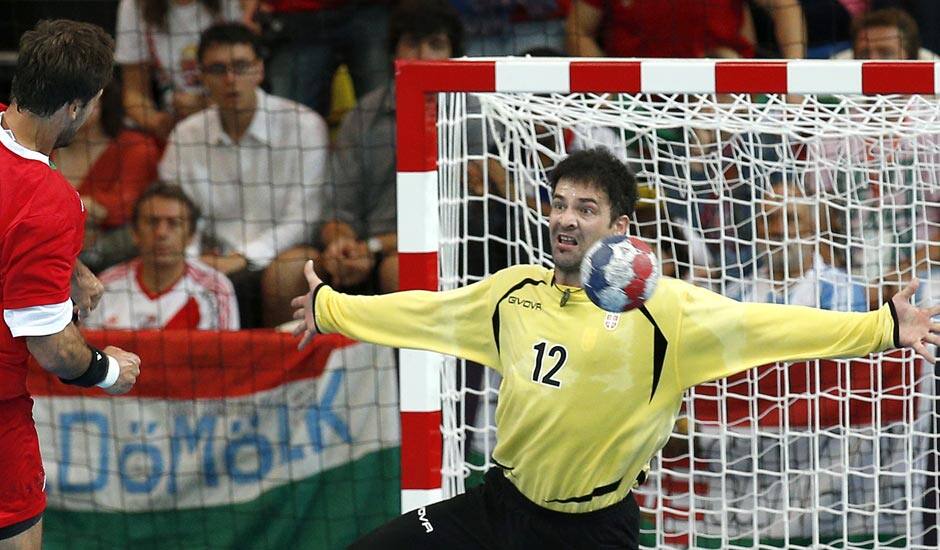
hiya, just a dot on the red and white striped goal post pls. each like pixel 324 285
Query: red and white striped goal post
pixel 418 82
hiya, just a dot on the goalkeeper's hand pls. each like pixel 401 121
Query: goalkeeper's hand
pixel 303 307
pixel 916 328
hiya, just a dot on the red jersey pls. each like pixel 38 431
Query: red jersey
pixel 42 225
pixel 121 174
pixel 671 28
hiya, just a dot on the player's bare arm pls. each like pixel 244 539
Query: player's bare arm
pixel 66 355
pixel 86 289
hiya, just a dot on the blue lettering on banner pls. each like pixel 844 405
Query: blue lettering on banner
pixel 183 433
pixel 254 441
pixel 152 468
pixel 289 453
pixel 186 449
pixel 324 412
pixel 83 418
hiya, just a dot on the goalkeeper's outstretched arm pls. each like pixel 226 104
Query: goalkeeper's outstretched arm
pixel 453 322
pixel 720 337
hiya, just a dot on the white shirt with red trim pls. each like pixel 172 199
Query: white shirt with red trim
pixel 202 299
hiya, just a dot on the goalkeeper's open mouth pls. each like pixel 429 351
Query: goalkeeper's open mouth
pixel 565 243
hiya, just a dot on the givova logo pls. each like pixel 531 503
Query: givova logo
pixel 526 303
pixel 423 518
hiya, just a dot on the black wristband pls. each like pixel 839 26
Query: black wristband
pixel 313 307
pixel 95 373
pixel 897 325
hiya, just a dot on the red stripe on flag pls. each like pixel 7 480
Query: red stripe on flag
pixel 421 450
pixel 203 364
pixel 605 76
pixel 416 84
pixel 751 78
pixel 857 393
pixel 417 270
pixel 890 77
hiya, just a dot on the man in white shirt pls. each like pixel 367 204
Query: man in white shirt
pixel 255 164
pixel 161 289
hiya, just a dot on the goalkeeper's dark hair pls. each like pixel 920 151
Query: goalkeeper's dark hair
pixel 168 191
pixel 61 61
pixel 600 168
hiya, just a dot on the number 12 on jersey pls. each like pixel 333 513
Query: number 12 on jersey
pixel 558 353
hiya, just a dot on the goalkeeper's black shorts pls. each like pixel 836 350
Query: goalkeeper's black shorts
pixel 495 515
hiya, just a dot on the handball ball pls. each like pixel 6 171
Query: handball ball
pixel 619 273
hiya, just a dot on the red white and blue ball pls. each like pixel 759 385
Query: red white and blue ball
pixel 619 273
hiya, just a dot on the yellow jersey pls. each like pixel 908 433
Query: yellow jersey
pixel 588 397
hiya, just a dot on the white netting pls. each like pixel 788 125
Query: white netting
pixel 826 202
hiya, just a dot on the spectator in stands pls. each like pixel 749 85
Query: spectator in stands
pixel 360 245
pixel 109 165
pixel 791 234
pixel 505 27
pixel 161 289
pixel 790 270
pixel 886 236
pixel 886 34
pixel 309 39
pixel 255 164
pixel 156 42
pixel 684 28
pixel 710 179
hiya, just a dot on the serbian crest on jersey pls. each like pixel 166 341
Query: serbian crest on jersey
pixel 611 321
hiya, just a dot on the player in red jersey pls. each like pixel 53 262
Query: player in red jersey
pixel 61 69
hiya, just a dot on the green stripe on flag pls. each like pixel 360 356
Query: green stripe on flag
pixel 325 511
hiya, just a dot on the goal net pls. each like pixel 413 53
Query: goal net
pixel 814 198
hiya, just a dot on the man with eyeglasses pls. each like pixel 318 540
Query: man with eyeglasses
pixel 255 164
pixel 161 288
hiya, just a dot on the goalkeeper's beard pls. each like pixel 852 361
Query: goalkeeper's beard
pixel 568 264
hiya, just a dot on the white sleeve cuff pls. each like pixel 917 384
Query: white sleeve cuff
pixel 114 370
pixel 38 320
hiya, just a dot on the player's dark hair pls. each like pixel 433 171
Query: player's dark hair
pixel 155 12
pixel 421 19
pixel 168 191
pixel 891 17
pixel 228 34
pixel 600 168
pixel 61 61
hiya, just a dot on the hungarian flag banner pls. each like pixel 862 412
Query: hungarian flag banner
pixel 229 439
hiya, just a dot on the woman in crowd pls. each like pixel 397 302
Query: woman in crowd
pixel 156 42
pixel 110 166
